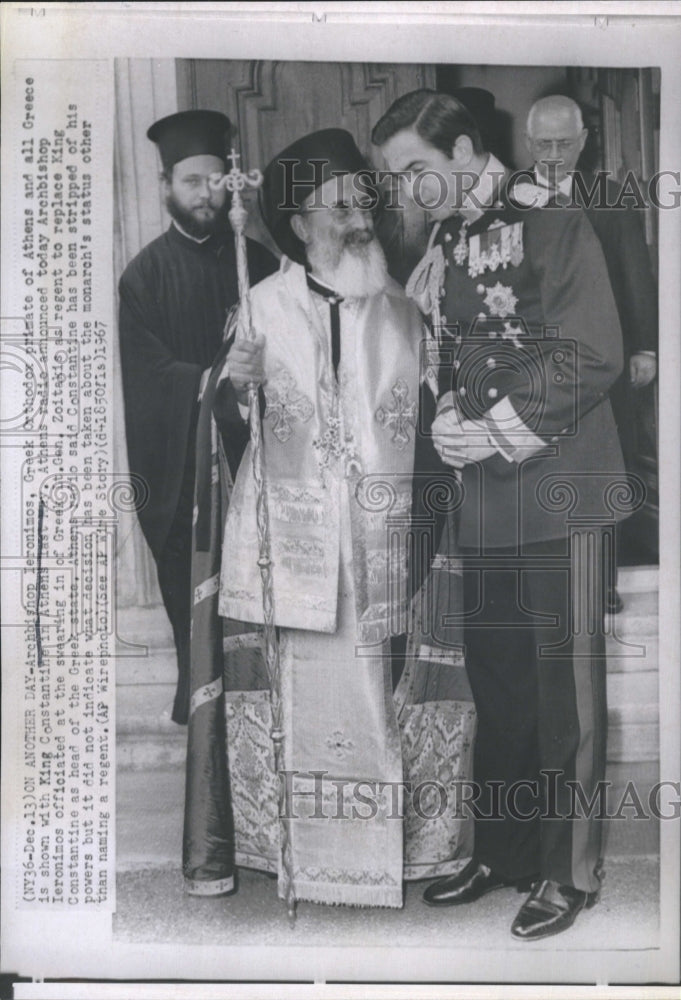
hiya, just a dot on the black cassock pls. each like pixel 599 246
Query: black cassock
pixel 174 299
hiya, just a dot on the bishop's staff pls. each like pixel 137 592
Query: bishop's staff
pixel 235 181
pixel 425 286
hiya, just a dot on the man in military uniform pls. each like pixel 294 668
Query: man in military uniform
pixel 530 345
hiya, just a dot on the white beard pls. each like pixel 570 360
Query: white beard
pixel 358 273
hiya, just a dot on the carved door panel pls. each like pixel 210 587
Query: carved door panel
pixel 273 103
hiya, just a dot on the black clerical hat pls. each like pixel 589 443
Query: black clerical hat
pixel 296 173
pixel 190 133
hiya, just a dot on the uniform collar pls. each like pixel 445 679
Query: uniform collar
pixel 483 195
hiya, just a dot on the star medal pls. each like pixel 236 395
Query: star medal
pixel 500 300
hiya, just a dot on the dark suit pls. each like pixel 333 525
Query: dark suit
pixel 531 525
pixel 621 235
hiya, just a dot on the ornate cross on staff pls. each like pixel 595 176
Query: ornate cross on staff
pixel 425 286
pixel 235 181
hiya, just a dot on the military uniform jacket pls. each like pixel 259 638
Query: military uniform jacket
pixel 531 344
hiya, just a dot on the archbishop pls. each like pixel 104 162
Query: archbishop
pixel 367 774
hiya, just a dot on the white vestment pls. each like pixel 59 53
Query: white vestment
pixel 339 456
pixel 326 442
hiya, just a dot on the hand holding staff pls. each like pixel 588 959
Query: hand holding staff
pixel 248 364
pixel 245 364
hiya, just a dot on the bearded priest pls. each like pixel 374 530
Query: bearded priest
pixel 174 298
pixel 337 356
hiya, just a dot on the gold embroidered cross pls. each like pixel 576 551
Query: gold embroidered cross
pixel 400 416
pixel 285 402
pixel 339 744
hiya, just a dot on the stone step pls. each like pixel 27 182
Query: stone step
pixel 634 688
pixel 631 740
pixel 633 713
pixel 633 654
pixel 149 817
pixel 144 726
pixel 638 579
pixel 631 835
pixel 638 585
pixel 150 715
pixel 146 684
pixel 644 774
pixel 632 644
pixel 150 807
pixel 151 753
pixel 158 666
pixel 638 617
pixel 145 626
pixel 632 698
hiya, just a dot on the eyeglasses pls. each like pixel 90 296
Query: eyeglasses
pixel 560 145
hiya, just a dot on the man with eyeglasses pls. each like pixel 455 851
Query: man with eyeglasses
pixel 555 138
pixel 336 354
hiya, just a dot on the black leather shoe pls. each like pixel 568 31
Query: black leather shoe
pixel 549 909
pixel 472 882
pixel 613 602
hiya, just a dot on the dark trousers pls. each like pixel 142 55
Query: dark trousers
pixel 174 568
pixel 535 654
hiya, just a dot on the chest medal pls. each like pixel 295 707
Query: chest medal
pixel 499 246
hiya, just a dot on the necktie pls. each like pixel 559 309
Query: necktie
pixel 334 301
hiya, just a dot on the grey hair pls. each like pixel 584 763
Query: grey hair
pixel 553 103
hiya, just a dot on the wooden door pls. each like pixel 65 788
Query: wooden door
pixel 273 103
